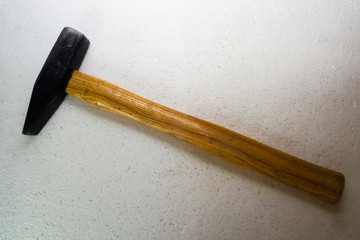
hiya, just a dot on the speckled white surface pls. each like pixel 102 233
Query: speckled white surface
pixel 286 74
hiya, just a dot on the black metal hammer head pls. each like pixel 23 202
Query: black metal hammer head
pixel 49 89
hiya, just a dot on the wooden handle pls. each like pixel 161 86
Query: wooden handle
pixel 321 182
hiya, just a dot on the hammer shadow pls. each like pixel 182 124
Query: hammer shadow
pixel 262 181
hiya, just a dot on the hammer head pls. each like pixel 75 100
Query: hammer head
pixel 49 89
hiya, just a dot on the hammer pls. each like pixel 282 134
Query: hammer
pixel 59 77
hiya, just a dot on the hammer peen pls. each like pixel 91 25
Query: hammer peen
pixel 59 77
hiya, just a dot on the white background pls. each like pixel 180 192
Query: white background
pixel 285 73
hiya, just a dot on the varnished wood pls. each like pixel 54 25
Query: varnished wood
pixel 321 182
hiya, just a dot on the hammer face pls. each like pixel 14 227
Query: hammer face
pixel 49 89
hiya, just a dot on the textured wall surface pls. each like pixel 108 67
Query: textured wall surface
pixel 286 74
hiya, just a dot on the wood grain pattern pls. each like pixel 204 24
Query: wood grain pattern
pixel 321 182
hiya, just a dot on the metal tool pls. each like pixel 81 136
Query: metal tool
pixel 59 77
